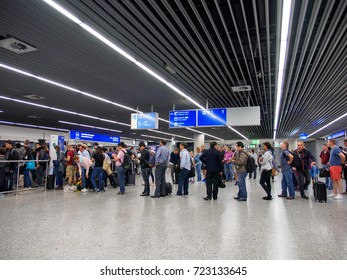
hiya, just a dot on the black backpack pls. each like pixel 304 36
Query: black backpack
pixel 297 163
pixel 127 161
pixel 249 163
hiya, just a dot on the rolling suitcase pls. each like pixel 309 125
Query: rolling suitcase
pixel 113 180
pixel 50 182
pixel 131 178
pixel 168 188
pixel 320 191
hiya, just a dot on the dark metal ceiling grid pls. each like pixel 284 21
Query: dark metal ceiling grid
pixel 320 70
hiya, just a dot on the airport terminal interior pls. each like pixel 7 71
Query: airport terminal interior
pixel 120 120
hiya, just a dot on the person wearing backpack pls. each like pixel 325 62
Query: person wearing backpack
pixel 145 168
pixel 120 165
pixel 241 161
pixel 11 154
pixel 58 167
pixel 266 170
pixel 303 170
pixel 26 170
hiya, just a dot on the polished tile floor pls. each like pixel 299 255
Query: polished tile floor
pixel 58 225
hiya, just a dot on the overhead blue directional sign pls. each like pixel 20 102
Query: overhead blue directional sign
pixel 144 121
pixel 303 136
pixel 337 135
pixel 212 117
pixel 93 137
pixel 183 118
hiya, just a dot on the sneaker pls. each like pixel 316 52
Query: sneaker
pixel 204 180
pixel 84 190
pixel 339 197
pixel 236 183
pixel 96 190
pixel 331 195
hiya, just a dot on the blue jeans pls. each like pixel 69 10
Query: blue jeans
pixel 287 182
pixel 183 181
pixel 198 171
pixel 242 194
pixel 27 180
pixel 146 172
pixel 328 182
pixel 83 178
pixel 121 178
pixel 97 171
pixel 228 171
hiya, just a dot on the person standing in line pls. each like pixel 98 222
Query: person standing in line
pixel 234 167
pixel 303 174
pixel 203 167
pixel 287 177
pixel 254 155
pixel 71 168
pixel 198 163
pixel 192 179
pixel 185 166
pixel 119 158
pixel 337 158
pixel 174 165
pixel 228 165
pixel 240 162
pixel 324 159
pixel 211 158
pixel 26 171
pixel 58 168
pixel 83 164
pixel 266 170
pixel 11 154
pixel 145 168
pixel 161 161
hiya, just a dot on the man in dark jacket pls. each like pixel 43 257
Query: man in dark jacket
pixel 174 165
pixel 303 173
pixel 11 154
pixel 145 168
pixel 213 162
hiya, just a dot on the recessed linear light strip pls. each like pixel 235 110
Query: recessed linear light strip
pixel 33 126
pixel 339 118
pixel 123 53
pixel 95 127
pixel 238 132
pixel 286 9
pixel 78 91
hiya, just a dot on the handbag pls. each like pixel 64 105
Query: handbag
pixel 273 172
pixel 324 172
pixel 30 165
pixel 222 183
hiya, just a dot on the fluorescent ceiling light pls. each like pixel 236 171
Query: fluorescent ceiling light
pixel 61 110
pixel 238 132
pixel 85 125
pixel 286 9
pixel 33 126
pixel 122 52
pixel 339 118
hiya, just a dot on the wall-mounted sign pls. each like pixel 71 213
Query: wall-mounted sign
pixel 256 141
pixel 93 137
pixel 244 116
pixel 338 134
pixel 303 136
pixel 252 146
pixel 182 118
pixel 144 121
pixel 212 117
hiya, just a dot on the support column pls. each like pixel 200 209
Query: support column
pixel 293 144
pixel 199 139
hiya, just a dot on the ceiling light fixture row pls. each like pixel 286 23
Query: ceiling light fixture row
pixel 286 10
pixel 34 126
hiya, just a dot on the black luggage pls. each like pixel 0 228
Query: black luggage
pixel 320 191
pixel 168 188
pixel 50 182
pixel 113 180
pixel 131 178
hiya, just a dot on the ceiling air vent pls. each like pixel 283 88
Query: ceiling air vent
pixel 33 96
pixel 17 46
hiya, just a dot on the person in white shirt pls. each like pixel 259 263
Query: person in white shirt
pixel 185 165
pixel 254 155
pixel 266 170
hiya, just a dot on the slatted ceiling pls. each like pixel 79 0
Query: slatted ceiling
pixel 211 44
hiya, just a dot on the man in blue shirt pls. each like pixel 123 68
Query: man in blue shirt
pixel 161 160
pixel 287 178
pixel 185 165
pixel 337 158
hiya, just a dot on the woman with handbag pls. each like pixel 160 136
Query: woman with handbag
pixel 266 170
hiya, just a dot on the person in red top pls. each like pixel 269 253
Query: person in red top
pixel 71 167
pixel 324 159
